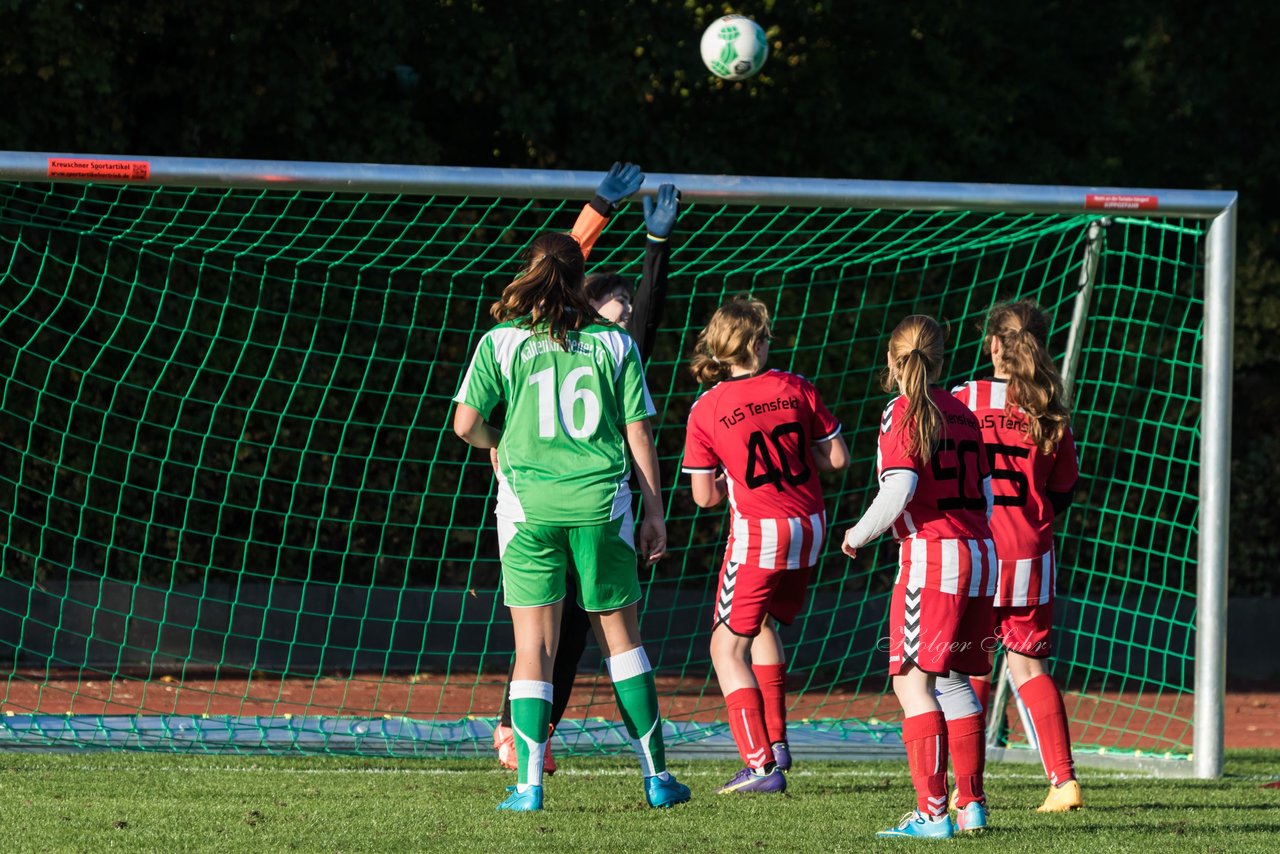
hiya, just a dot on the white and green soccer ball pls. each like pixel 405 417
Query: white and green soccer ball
pixel 734 47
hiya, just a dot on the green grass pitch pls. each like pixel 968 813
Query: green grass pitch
pixel 150 802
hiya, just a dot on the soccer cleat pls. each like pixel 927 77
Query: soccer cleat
pixel 1062 798
pixel 914 825
pixel 747 782
pixel 972 818
pixel 527 801
pixel 662 793
pixel 782 755
pixel 504 741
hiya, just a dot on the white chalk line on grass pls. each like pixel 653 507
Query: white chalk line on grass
pixel 682 770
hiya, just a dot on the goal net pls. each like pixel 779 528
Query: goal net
pixel 235 517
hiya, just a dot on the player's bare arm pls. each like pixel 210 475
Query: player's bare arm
pixel 830 455
pixel 471 428
pixel 652 539
pixel 708 488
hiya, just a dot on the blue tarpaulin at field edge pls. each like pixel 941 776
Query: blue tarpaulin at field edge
pixel 397 736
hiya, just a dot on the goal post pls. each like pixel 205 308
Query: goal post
pixel 1215 494
pixel 234 517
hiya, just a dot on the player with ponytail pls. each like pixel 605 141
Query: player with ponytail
pixel 1027 433
pixel 576 404
pixel 935 493
pixel 759 438
pixel 640 313
pixel 543 292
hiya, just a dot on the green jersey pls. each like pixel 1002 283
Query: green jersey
pixel 563 458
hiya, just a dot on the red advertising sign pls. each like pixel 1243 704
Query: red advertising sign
pixel 111 170
pixel 1120 202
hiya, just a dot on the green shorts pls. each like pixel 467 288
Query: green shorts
pixel 536 558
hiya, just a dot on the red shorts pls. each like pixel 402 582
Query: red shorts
pixel 746 594
pixel 1025 629
pixel 939 632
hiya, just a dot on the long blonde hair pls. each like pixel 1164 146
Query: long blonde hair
pixel 549 288
pixel 730 339
pixel 1034 382
pixel 915 360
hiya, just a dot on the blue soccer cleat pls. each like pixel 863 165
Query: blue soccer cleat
pixel 916 826
pixel 747 782
pixel 972 818
pixel 782 755
pixel 527 801
pixel 662 793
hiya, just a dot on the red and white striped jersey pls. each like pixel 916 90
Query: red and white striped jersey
pixel 777 543
pixel 949 501
pixel 1026 581
pixel 945 541
pixel 959 567
pixel 1022 478
pixel 760 430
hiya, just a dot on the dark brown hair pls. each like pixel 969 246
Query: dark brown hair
pixel 1034 382
pixel 549 289
pixel 915 357
pixel 600 285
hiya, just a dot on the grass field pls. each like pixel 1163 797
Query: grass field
pixel 92 802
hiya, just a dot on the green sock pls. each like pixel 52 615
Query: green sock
pixel 637 693
pixel 530 719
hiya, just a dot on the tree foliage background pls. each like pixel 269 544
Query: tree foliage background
pixel 1147 93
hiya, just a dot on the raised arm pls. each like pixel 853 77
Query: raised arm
pixel 620 182
pixel 650 298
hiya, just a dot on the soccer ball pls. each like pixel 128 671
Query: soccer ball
pixel 734 47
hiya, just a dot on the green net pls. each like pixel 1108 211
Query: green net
pixel 235 517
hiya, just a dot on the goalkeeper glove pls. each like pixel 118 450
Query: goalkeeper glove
pixel 660 211
pixel 619 182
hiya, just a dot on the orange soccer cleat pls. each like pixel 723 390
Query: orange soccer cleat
pixel 1062 798
pixel 504 741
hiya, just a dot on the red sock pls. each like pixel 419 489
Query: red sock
pixel 746 721
pixel 925 737
pixel 967 744
pixel 772 679
pixel 981 690
pixel 1049 716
